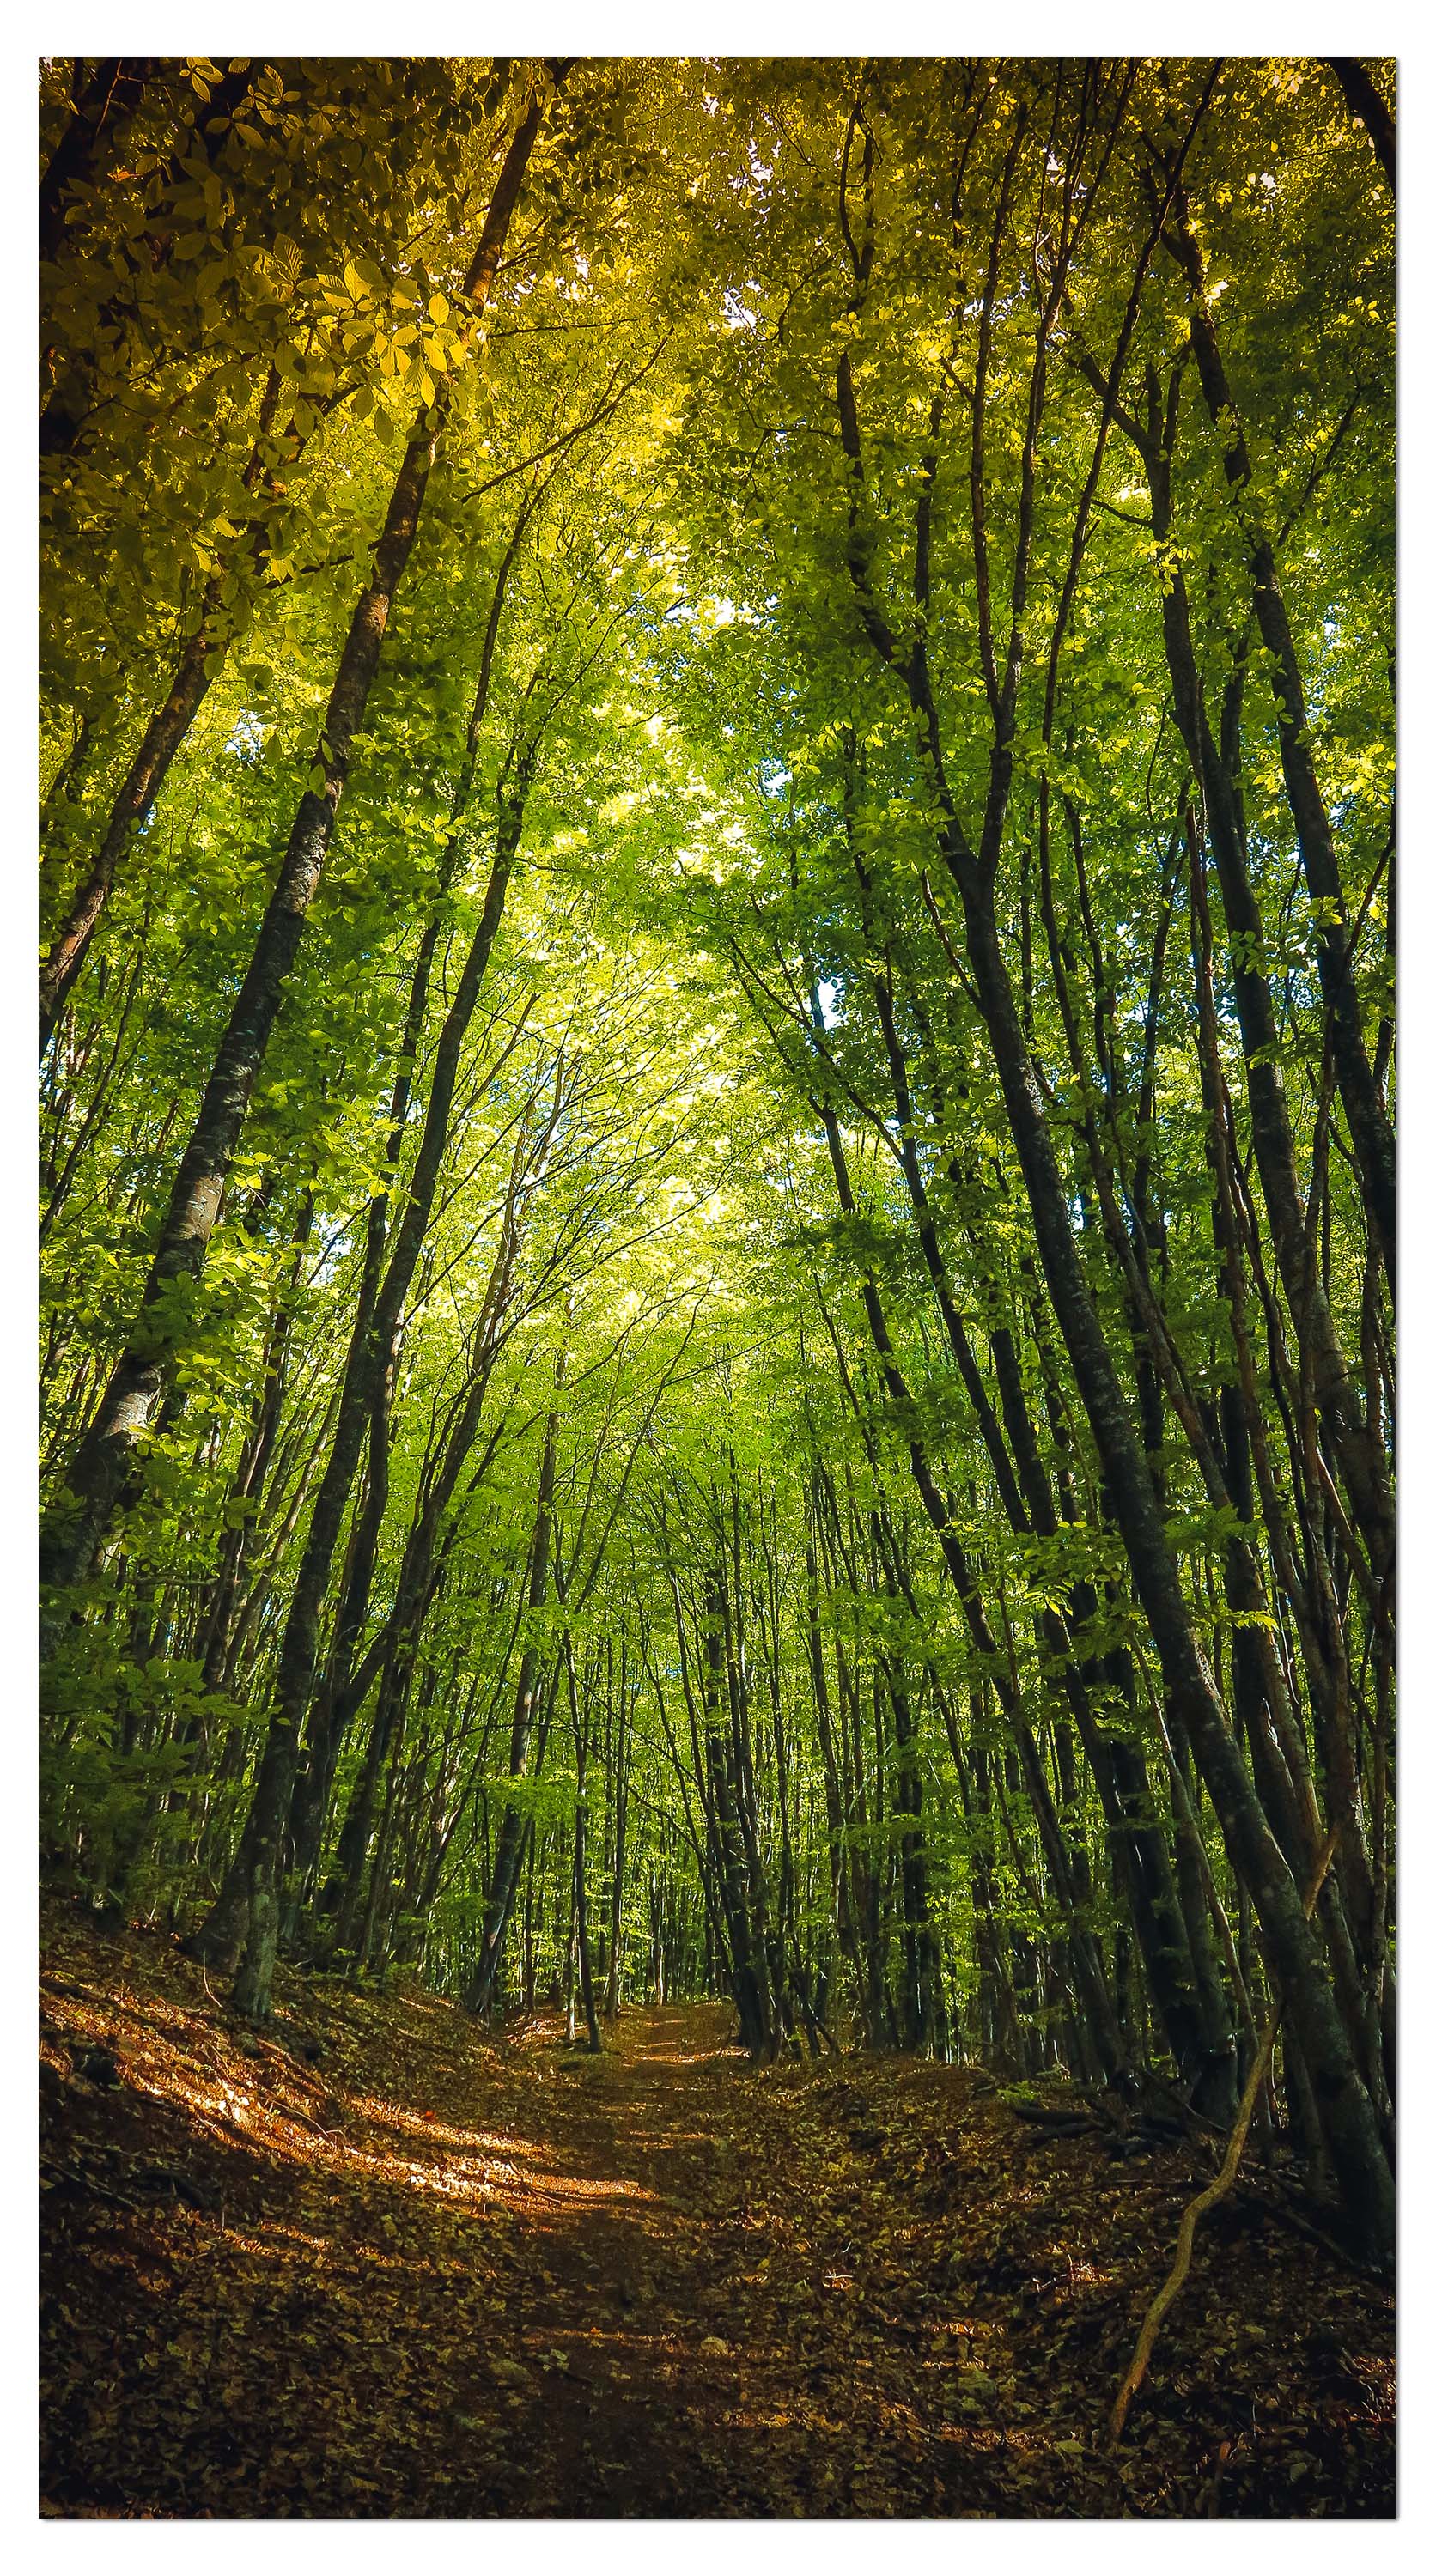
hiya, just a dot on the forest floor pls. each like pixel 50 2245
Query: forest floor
pixel 372 2263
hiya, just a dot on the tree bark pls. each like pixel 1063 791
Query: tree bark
pixel 479 1998
pixel 1366 102
pixel 200 663
pixel 1348 2117
pixel 1371 1133
pixel 143 1373
pixel 105 105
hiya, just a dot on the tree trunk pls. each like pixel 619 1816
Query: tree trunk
pixel 480 1996
pixel 142 1376
pixel 1348 2117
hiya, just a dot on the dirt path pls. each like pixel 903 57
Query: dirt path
pixel 372 2265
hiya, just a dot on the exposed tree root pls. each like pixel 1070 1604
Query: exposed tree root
pixel 1215 2191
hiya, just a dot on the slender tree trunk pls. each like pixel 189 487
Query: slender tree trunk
pixel 103 108
pixel 200 663
pixel 1366 102
pixel 141 1378
pixel 613 1985
pixel 579 1717
pixel 482 1986
pixel 1349 2122
pixel 370 1357
pixel 1371 1133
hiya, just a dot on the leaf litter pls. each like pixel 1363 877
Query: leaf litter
pixel 374 2262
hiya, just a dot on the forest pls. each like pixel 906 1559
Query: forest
pixel 717 1191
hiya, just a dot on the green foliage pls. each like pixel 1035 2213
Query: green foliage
pixel 731 1217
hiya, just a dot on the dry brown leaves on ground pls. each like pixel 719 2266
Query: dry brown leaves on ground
pixel 371 2264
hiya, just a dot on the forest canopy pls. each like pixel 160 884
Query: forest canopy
pixel 717 1193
